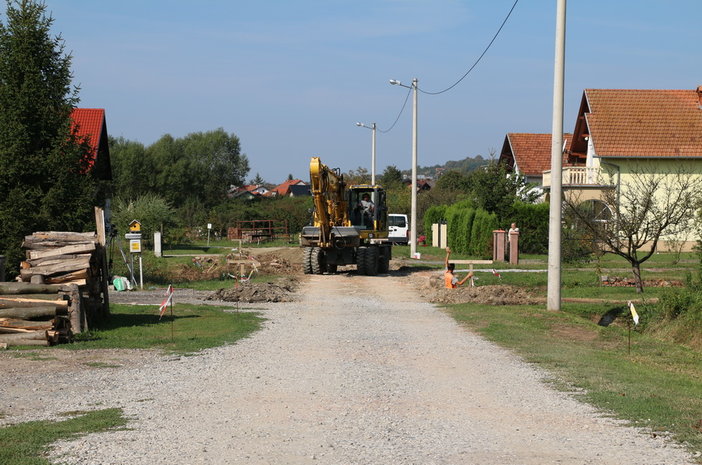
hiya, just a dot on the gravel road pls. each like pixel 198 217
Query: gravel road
pixel 358 371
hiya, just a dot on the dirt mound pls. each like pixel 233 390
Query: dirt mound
pixel 280 291
pixel 284 261
pixel 617 281
pixel 431 288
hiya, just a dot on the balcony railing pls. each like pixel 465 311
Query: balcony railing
pixel 575 176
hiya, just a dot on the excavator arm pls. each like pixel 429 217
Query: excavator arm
pixel 328 194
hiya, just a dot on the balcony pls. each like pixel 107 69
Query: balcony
pixel 576 176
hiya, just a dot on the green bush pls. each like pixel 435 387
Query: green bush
pixel 434 214
pixel 532 221
pixel 481 237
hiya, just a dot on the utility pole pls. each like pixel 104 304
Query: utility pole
pixel 413 219
pixel 553 298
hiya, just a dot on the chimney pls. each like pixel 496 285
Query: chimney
pixel 699 96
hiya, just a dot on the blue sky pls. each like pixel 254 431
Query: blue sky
pixel 291 78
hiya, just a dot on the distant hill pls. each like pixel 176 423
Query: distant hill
pixel 466 165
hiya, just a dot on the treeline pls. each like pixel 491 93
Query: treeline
pixel 464 166
pixel 179 185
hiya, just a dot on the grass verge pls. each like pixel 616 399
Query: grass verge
pixel 658 385
pixel 26 443
pixel 190 329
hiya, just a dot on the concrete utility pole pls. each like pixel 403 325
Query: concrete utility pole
pixel 413 219
pixel 553 298
pixel 413 214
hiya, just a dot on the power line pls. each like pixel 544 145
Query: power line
pixel 479 58
pixel 398 115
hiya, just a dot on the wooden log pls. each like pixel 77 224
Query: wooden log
pixel 14 323
pixel 27 342
pixel 65 250
pixel 33 335
pixel 76 313
pixel 65 236
pixel 63 280
pixel 25 313
pixel 64 266
pixel 55 260
pixel 25 288
pixel 12 301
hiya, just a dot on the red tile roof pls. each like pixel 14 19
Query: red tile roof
pixel 88 124
pixel 282 189
pixel 532 152
pixel 644 123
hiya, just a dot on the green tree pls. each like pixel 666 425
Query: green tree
pixel 132 170
pixel 391 177
pixel 151 210
pixel 454 180
pixel 495 190
pixel 258 180
pixel 45 180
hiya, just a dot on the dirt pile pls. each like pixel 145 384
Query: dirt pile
pixel 280 262
pixel 279 291
pixel 617 281
pixel 430 286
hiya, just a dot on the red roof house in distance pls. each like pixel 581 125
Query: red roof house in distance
pixel 287 188
pixel 529 154
pixel 90 127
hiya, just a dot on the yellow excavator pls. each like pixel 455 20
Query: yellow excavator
pixel 349 225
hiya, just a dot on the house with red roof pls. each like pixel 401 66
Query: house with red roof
pixel 89 125
pixel 250 191
pixel 291 188
pixel 622 134
pixel 528 154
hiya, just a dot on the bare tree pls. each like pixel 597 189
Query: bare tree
pixel 645 207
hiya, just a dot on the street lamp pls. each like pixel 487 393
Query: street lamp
pixel 413 216
pixel 372 128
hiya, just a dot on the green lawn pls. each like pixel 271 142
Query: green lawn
pixel 658 385
pixel 26 443
pixel 192 328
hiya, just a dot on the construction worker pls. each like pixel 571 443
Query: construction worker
pixel 451 281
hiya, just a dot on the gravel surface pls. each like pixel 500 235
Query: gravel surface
pixel 359 371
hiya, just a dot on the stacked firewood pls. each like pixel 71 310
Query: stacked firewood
pixel 70 258
pixel 59 257
pixel 38 314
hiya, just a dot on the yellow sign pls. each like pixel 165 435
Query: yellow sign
pixel 135 245
pixel 135 226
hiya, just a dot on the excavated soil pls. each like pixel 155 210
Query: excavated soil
pixel 431 287
pixel 279 291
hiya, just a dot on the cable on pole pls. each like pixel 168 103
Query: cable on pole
pixel 479 58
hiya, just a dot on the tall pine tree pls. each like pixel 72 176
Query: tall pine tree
pixel 44 170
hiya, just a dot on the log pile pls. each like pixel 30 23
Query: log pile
pixel 38 314
pixel 70 258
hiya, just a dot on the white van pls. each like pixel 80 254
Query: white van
pixel 398 228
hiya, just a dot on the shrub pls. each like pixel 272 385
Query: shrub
pixel 434 214
pixel 532 220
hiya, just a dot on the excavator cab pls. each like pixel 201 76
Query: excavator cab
pixel 367 210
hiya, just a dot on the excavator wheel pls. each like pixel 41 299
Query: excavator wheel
pixel 307 260
pixel 361 260
pixel 384 263
pixel 372 258
pixel 317 261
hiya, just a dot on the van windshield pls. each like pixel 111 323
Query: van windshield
pixel 396 220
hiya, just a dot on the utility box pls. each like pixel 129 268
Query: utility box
pixel 439 237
